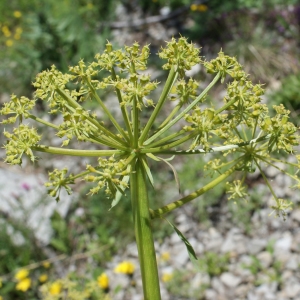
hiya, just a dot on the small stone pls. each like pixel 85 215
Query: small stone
pixel 292 288
pixel 256 245
pixel 230 280
pixel 265 259
pixel 284 243
pixel 295 215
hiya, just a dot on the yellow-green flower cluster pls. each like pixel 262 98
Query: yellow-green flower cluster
pixel 20 142
pixel 181 55
pixel 283 133
pixel 131 60
pixel 76 124
pixel 58 180
pixel 19 107
pixel 109 174
pixel 184 90
pixel 224 65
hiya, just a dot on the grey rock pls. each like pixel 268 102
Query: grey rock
pixel 255 245
pixel 265 259
pixel 230 280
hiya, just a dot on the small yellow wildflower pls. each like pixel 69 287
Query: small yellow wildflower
pixel 0 284
pixel 55 288
pixel 125 267
pixel 202 7
pixel 43 278
pixel 103 281
pixel 165 256
pixel 21 274
pixel 193 7
pixel 6 31
pixel 17 14
pixel 167 277
pixel 23 285
pixel 9 43
pixel 1 298
pixel 46 264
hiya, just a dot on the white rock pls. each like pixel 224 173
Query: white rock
pixel 255 245
pixel 265 258
pixel 230 280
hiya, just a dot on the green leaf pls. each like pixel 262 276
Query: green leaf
pixel 148 172
pixel 166 160
pixel 59 245
pixel 119 194
pixel 189 247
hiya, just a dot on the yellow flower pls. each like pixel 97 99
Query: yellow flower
pixel 125 267
pixel 167 277
pixel 0 284
pixel 6 31
pixel 9 43
pixel 22 274
pixel 193 7
pixel 55 288
pixel 43 278
pixel 103 281
pixel 46 264
pixel 165 256
pixel 202 7
pixel 1 298
pixel 23 285
pixel 17 14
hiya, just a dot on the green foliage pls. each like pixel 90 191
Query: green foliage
pixel 179 285
pixel 214 264
pixel 38 34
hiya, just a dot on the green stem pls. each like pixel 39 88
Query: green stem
pixel 122 106
pixel 177 142
pixel 107 112
pixel 135 122
pixel 74 104
pixel 162 99
pixel 143 232
pixel 168 208
pixel 170 116
pixel 75 152
pixel 186 110
pixel 199 151
pixel 167 138
pixel 43 122
pixel 228 104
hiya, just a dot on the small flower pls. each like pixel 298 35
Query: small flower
pixel 167 277
pixel 103 281
pixel 43 278
pixel 17 14
pixel 21 274
pixel 23 285
pixel 55 288
pixel 46 264
pixel 125 267
pixel 165 256
pixel 9 43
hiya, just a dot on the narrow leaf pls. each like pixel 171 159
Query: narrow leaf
pixel 174 171
pixel 189 247
pixel 148 172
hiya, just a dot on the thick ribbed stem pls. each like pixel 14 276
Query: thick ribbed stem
pixel 143 232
